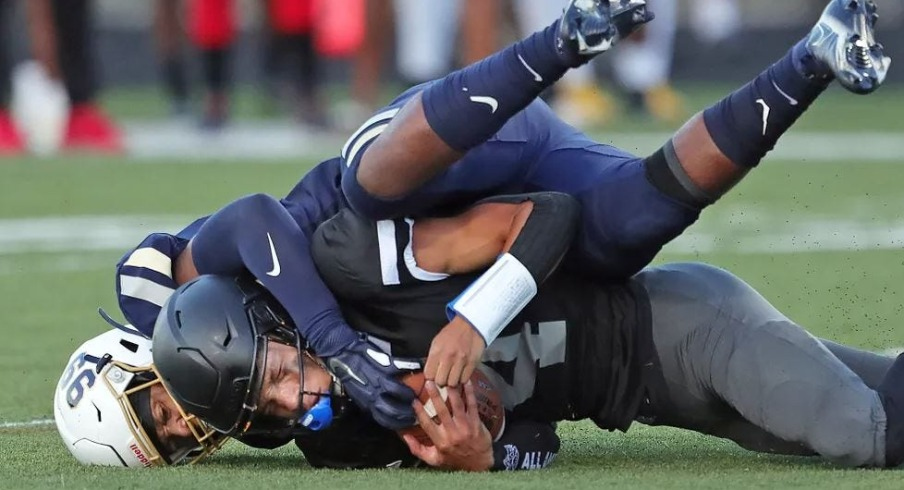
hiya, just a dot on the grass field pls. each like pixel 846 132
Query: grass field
pixel 823 241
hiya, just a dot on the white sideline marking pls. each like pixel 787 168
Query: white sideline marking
pixel 285 143
pixel 71 241
pixel 83 233
pixel 797 146
pixel 29 423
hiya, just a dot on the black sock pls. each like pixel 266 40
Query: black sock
pixel 174 79
pixel 216 69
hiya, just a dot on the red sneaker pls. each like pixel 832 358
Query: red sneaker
pixel 90 129
pixel 11 141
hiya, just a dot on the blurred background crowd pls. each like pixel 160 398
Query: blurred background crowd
pixel 73 73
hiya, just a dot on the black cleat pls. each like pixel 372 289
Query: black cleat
pixel 844 42
pixel 591 27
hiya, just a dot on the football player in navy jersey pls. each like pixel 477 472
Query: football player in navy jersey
pixel 478 132
pixel 683 345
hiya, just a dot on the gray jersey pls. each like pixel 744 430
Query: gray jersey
pixel 575 352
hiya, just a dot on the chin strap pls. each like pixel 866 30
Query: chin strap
pixel 119 326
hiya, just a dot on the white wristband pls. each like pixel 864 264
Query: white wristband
pixel 496 297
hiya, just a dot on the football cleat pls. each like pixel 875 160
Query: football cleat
pixel 844 42
pixel 591 27
pixel 90 129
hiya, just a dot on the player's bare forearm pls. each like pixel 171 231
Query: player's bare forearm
pixel 405 156
pixel 706 166
pixel 470 241
pixel 524 235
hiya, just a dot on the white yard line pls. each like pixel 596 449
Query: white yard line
pixel 276 142
pixel 56 264
pixel 24 424
pixel 796 146
pixel 69 234
pixel 71 241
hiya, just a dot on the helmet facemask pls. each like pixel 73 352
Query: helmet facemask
pixel 271 323
pixel 268 325
pixel 136 403
pixel 211 345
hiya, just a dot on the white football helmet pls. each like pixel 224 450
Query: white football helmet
pixel 102 407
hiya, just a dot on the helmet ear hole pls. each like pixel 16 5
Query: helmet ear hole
pixel 131 346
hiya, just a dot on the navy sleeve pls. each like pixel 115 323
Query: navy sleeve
pixel 525 445
pixel 258 234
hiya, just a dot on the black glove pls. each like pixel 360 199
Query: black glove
pixel 370 378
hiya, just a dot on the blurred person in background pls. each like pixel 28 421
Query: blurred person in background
pixel 715 21
pixel 426 35
pixel 304 34
pixel 368 64
pixel 11 140
pixel 212 30
pixel 291 61
pixel 641 67
pixel 61 34
pixel 425 45
pixel 169 34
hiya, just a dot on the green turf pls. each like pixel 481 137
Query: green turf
pixel 851 296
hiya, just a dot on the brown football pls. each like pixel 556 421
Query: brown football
pixel 489 403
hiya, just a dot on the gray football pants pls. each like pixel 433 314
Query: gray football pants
pixel 735 367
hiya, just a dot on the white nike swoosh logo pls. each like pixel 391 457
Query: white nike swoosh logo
pixel 765 114
pixel 276 269
pixel 536 75
pixel 493 103
pixel 395 464
pixel 791 100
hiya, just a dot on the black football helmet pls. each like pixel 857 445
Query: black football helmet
pixel 210 347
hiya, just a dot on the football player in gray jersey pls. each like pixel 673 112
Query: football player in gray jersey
pixel 684 345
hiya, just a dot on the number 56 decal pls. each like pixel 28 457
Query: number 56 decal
pixel 76 383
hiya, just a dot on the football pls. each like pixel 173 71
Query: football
pixel 489 403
